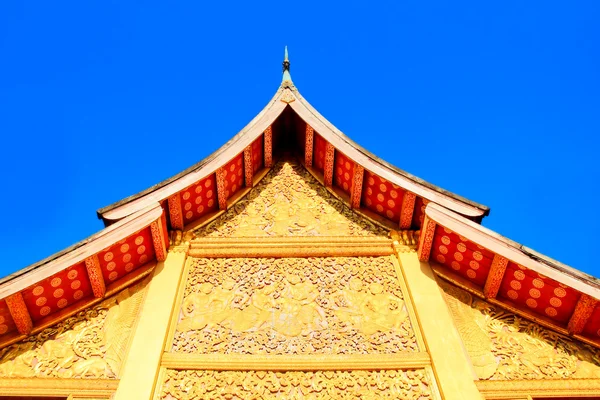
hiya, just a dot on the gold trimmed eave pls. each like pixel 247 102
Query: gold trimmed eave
pixel 288 96
pixel 511 275
pixel 81 275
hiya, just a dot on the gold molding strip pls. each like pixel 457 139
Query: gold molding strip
pixel 248 168
pixel 92 265
pixel 544 388
pixel 583 311
pixel 426 239
pixel 288 362
pixel 268 151
pixel 158 240
pixel 329 161
pixel 80 388
pixel 495 276
pixel 407 210
pixel 221 188
pixel 20 314
pixel 357 184
pixel 291 247
pixel 175 212
pixel 308 145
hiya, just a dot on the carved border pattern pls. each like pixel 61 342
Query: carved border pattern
pixel 408 208
pixel 221 189
pixel 329 160
pixel 426 241
pixel 583 311
pixel 504 389
pixel 268 147
pixel 92 264
pixel 494 278
pixel 20 314
pixel 357 184
pixel 248 169
pixel 308 146
pixel 158 240
pixel 175 214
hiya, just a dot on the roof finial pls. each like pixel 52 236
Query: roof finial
pixel 287 78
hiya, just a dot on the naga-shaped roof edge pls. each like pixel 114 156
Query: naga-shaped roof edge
pixel 287 94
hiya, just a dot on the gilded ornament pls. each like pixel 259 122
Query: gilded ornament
pixel 90 344
pixel 386 384
pixel 330 305
pixel 289 202
pixel 504 346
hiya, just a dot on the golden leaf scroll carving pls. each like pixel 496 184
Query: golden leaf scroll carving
pixel 504 346
pixel 390 384
pixel 289 202
pixel 330 305
pixel 90 344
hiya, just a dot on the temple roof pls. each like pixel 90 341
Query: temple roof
pixel 450 235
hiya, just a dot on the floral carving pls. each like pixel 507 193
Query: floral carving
pixel 333 305
pixel 90 344
pixel 390 384
pixel 504 346
pixel 289 202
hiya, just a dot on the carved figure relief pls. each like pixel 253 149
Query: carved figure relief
pixel 335 305
pixel 90 344
pixel 390 384
pixel 504 346
pixel 289 202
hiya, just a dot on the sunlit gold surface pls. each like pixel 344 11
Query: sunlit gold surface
pixel 90 344
pixel 289 202
pixel 399 384
pixel 503 346
pixel 333 305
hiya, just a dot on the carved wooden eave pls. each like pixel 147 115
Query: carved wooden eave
pixel 82 275
pixel 511 275
pixel 406 214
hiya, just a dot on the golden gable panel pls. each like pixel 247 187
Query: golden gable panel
pixel 90 344
pixel 329 305
pixel 504 346
pixel 390 384
pixel 289 201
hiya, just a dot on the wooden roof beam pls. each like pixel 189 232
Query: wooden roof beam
pixel 357 184
pixel 583 311
pixel 20 314
pixel 308 146
pixel 158 240
pixel 268 147
pixel 495 276
pixel 92 265
pixel 426 239
pixel 407 211
pixel 248 168
pixel 329 161
pixel 222 199
pixel 175 211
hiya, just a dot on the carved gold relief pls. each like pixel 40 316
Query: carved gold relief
pixel 505 346
pixel 289 202
pixel 90 344
pixel 331 305
pixel 390 384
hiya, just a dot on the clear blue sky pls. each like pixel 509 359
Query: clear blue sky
pixel 497 102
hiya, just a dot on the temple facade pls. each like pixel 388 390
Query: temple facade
pixel 291 264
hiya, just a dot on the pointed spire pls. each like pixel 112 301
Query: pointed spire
pixel 287 78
